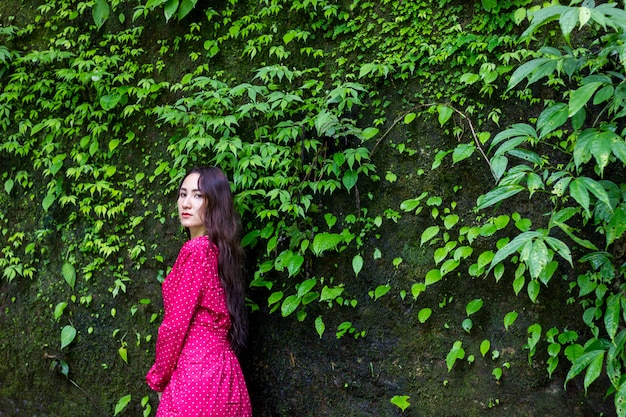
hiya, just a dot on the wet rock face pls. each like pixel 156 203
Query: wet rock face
pixel 292 371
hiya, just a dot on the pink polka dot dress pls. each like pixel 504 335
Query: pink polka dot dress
pixel 195 367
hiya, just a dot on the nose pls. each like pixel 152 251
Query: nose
pixel 185 203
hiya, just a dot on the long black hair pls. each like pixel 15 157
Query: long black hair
pixel 223 227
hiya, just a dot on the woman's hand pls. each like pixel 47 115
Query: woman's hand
pixel 159 395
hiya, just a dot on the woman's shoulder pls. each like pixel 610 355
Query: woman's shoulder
pixel 201 244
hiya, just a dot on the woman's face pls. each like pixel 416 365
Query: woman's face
pixel 191 205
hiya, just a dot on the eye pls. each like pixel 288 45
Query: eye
pixel 197 195
pixel 182 194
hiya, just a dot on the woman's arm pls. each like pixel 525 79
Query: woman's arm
pixel 182 292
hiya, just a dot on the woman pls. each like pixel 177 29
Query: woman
pixel 196 371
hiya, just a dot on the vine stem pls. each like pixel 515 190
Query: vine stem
pixel 457 111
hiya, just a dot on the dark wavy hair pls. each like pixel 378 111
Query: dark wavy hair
pixel 223 227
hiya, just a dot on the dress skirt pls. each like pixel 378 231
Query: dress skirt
pixel 207 381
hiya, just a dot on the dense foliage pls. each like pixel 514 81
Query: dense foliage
pixel 94 122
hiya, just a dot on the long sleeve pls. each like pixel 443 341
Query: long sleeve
pixel 183 290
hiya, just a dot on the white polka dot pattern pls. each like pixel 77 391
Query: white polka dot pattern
pixel 195 367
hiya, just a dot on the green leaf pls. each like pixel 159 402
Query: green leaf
pixel 467 325
pixel 64 367
pixel 449 265
pixel 69 274
pixel 444 114
pixel 109 101
pixel 290 304
pixel 602 148
pixel 366 69
pixel 170 9
pixel 419 287
pixel 513 246
pixel 428 234
pixel 114 143
pixel 581 363
pixel 612 315
pixel 594 369
pixel 8 185
pixel 538 258
pixel 568 21
pixel 519 133
pixel 349 179
pixel 552 362
pixel 274 298
pixel 579 98
pixel 463 252
pixel 485 345
pixel 58 310
pixel 597 190
pixel 519 15
pixel 369 133
pixel 456 352
pixel 463 151
pixel 497 195
pixel 440 254
pixel 408 118
pixel 320 327
pixel 424 314
pixel 561 248
pixel 509 319
pixel 604 94
pixel 100 12
pixel 535 335
pixel 498 166
pixel 618 147
pixel 548 271
pixel 186 6
pixel 450 221
pixel 543 16
pixel 552 118
pixel 357 264
pixel 579 192
pixel 323 242
pixel 123 352
pixel 489 5
pixel 306 286
pixel 329 294
pixel 582 147
pixel 518 284
pixel 121 404
pixel 541 66
pixel 554 349
pixel 527 155
pixel 620 400
pixel 151 4
pixel 401 401
pixel 48 201
pixel 473 306
pixel 381 290
pixel 68 333
pixel 533 290
pixel 294 263
pixel 288 37
pixel 433 276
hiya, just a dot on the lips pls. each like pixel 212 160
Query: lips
pixel 186 215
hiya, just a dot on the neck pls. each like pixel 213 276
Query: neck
pixel 196 232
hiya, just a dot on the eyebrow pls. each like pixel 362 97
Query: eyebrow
pixel 184 189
